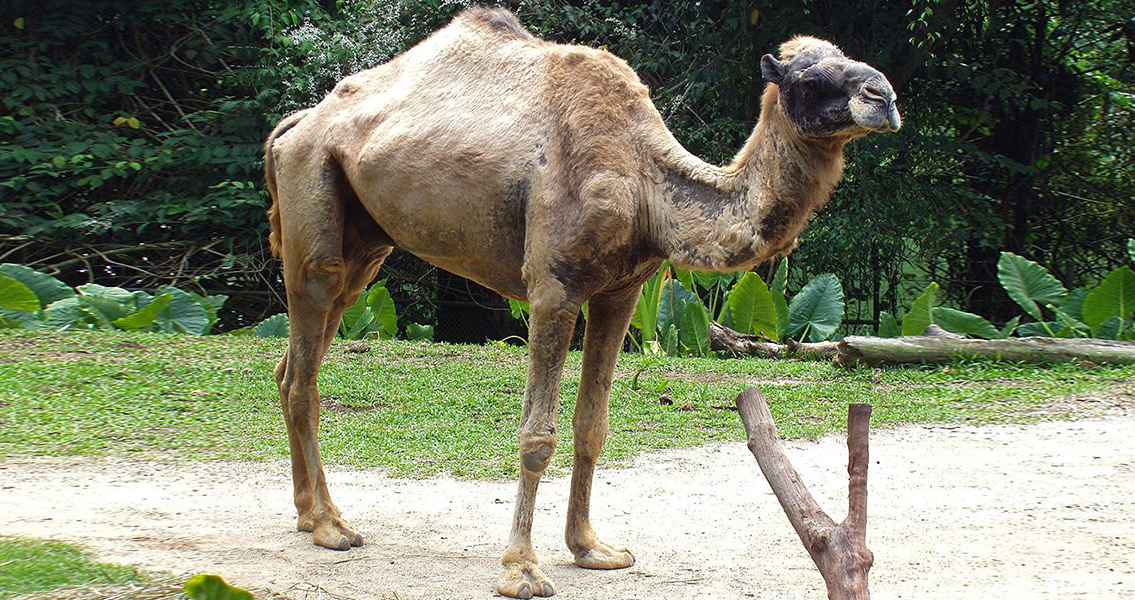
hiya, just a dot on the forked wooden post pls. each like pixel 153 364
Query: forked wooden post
pixel 839 551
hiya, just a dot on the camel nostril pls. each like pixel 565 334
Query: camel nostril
pixel 875 92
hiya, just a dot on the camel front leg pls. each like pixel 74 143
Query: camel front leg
pixel 607 322
pixel 549 335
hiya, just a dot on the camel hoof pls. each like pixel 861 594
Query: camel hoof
pixel 524 580
pixel 605 557
pixel 333 533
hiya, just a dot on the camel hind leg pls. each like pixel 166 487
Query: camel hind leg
pixel 331 250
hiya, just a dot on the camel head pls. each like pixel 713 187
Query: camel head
pixel 827 95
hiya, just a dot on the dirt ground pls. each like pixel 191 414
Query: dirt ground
pixel 1037 511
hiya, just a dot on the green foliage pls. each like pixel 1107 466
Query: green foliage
pixel 145 317
pixel 1028 283
pixel 14 295
pixel 888 327
pixel 382 307
pixel 417 332
pixel 964 323
pixel 94 306
pixel 751 307
pixel 46 288
pixel 694 331
pixel 779 290
pixel 1114 297
pixel 213 587
pixel 675 316
pixel 920 316
pixel 1105 311
pixel 817 310
pixel 645 317
pixel 747 306
pixel 372 315
pixel 275 326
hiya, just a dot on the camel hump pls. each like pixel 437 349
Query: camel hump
pixel 499 19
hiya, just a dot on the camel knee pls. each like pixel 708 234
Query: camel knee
pixel 536 451
pixel 324 280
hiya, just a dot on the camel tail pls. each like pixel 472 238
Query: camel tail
pixel 287 123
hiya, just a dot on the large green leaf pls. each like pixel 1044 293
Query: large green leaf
pixel 519 309
pixel 47 288
pixel 17 296
pixel 1040 329
pixel 1114 297
pixel 105 304
pixel 817 309
pixel 415 331
pixel 274 326
pixel 888 326
pixel 1028 283
pixel 1010 327
pixel 780 280
pixel 1072 326
pixel 184 313
pixel 1108 330
pixel 780 304
pixel 66 314
pixel 672 303
pixel 751 308
pixel 144 318
pixel 212 587
pixel 964 323
pixel 921 313
pixel 212 305
pixel 117 294
pixel 382 305
pixel 686 276
pixel 779 291
pixel 356 320
pixel 668 340
pixel 646 311
pixel 1073 303
pixel 694 329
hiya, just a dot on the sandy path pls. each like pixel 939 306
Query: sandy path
pixel 1040 511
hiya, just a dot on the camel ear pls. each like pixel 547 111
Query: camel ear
pixel 772 70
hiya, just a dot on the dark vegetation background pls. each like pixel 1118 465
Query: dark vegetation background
pixel 130 135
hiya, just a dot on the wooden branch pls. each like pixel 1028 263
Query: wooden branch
pixel 724 338
pixel 860 350
pixel 839 551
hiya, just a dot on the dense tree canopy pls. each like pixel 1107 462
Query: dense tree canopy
pixel 123 124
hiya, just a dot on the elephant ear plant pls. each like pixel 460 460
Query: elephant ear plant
pixel 1105 311
pixel 676 307
pixel 33 300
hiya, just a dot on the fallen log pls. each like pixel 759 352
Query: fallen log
pixel 724 338
pixel 861 350
pixel 839 551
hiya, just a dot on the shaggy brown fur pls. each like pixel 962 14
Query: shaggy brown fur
pixel 542 171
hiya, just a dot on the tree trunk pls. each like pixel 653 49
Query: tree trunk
pixel 839 551
pixel 859 350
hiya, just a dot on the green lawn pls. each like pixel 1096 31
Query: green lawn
pixel 28 566
pixel 418 409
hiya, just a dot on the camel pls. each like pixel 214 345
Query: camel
pixel 542 171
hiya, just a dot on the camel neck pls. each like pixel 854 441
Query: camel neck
pixel 731 218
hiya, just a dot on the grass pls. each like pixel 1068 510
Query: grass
pixel 30 566
pixel 420 409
